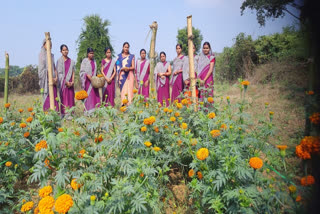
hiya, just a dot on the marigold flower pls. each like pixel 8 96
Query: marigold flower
pixel 202 153
pixel 179 105
pixel 172 119
pixel 125 101
pixel 134 91
pixel 20 110
pixel 12 124
pixel 298 198
pixel 45 191
pixel 245 83
pixel 143 129
pixel 256 162
pixel 41 145
pixel 60 129
pixel 46 204
pixel 210 99
pixel 63 203
pixel 82 151
pixel 307 181
pixel 215 133
pixel 23 125
pixel 92 198
pixel 304 155
pixel 177 114
pixel 8 163
pixel 193 141
pixel 223 126
pixel 271 113
pixel 99 138
pixel 211 115
pixel 156 129
pixel 147 143
pixel 27 206
pixel 7 105
pixel 74 184
pixel 228 98
pixel 184 126
pixel 36 210
pixel 47 162
pixel 282 147
pixel 184 102
pixel 26 134
pixel 81 95
pixel 292 189
pixel 310 92
pixel 141 174
pixel 99 75
pixel 123 108
pixel 29 119
pixel 165 110
pixel 200 176
pixel 191 173
pixel 157 149
pixel 32 114
pixel 30 109
pixel 179 142
pixel 76 133
pixel 315 118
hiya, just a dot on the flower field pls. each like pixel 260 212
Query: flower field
pixel 120 160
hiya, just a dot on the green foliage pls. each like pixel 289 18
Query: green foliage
pixel 13 71
pixel 94 34
pixel 182 38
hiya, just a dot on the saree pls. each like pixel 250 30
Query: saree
pixel 203 68
pixel 109 90
pixel 162 85
pixel 177 80
pixel 142 74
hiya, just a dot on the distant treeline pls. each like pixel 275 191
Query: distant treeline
pixel 13 71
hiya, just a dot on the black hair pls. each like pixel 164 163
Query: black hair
pixel 90 50
pixel 63 45
pixel 207 43
pixel 162 52
pixel 125 43
pixel 143 50
pixel 106 49
pixel 180 45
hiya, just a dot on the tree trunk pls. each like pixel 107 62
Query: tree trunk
pixel 6 79
pixel 152 56
pixel 49 61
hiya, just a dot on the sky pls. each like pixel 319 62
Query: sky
pixel 23 24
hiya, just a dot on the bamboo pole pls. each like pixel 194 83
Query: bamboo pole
pixel 6 78
pixel 152 56
pixel 191 62
pixel 49 61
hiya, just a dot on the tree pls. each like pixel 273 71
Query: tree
pixel 182 38
pixel 94 34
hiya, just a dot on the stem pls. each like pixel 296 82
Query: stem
pixel 6 81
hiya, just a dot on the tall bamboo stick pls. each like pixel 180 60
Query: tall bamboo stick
pixel 6 78
pixel 191 61
pixel 152 55
pixel 49 61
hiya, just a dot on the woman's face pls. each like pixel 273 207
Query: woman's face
pixel 178 49
pixel 143 55
pixel 126 48
pixel 205 49
pixel 163 58
pixel 91 55
pixel 64 51
pixel 108 54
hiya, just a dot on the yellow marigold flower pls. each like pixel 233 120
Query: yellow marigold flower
pixel 166 110
pixel 92 198
pixel 177 114
pixel 6 144
pixel 202 153
pixel 228 98
pixel 215 133
pixel 60 129
pixel 123 108
pixel 282 147
pixel 125 101
pixel 20 110
pixel 292 189
pixel 1 120
pixel 81 95
pixel 156 129
pixel 271 113
pixel 245 83
pixel 74 184
pixel 310 92
pixel 256 162
pixel 170 110
pixel 45 191
pixel 193 141
pixel 63 203
pixel 41 145
pixel 26 134
pixel 29 119
pixel 172 119
pixel 7 105
pixel 315 118
pixel 184 126
pixel 191 173
pixel 143 129
pixel 157 149
pixel 223 126
pixel 266 103
pixel 46 204
pixel 99 75
pixel 30 109
pixel 184 102
pixel 201 103
pixel 176 133
pixel 152 89
pixel 210 99
pixel 200 176
pixel 165 126
pixel 147 143
pixel 23 125
pixel 8 163
pixel 211 115
pixel 27 206
pixel 298 198
pixel 179 105
pixel 36 210
pixel 135 91
pixel 82 151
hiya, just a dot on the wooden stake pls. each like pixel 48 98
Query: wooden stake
pixel 6 78
pixel 191 62
pixel 49 61
pixel 152 56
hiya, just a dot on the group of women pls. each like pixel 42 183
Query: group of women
pixel 127 73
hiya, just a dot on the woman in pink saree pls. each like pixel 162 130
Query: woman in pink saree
pixel 177 77
pixel 142 74
pixel 125 69
pixel 108 70
pixel 162 73
pixel 206 66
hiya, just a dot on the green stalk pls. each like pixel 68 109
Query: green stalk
pixel 6 81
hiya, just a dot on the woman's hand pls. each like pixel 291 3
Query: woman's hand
pixel 89 77
pixel 146 83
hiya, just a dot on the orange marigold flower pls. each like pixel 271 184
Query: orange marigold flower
pixel 200 176
pixel 211 115
pixel 60 129
pixel 12 124
pixel 63 203
pixel 27 206
pixel 307 181
pixel 125 101
pixel 74 184
pixel 41 145
pixel 30 109
pixel 215 133
pixel 76 133
pixel 99 138
pixel 310 92
pixel 46 204
pixel 172 119
pixel 210 99
pixel 8 163
pixel 147 143
pixel 184 126
pixel 45 191
pixel 179 142
pixel 7 105
pixel 20 110
pixel 26 134
pixel 177 114
pixel 191 173
pixel 99 75
pixel 47 162
pixel 245 83
pixel 223 126
pixel 157 149
pixel 134 91
pixel 184 102
pixel 36 210
pixel 292 189
pixel 298 198
pixel 123 108
pixel 156 129
pixel 256 162
pixel 282 147
pixel 315 118
pixel 202 153
pixel 23 125
pixel 143 129
pixel 32 113
pixel 141 174
pixel 304 155
pixel 81 95
pixel 29 119
pixel 1 120
pixel 179 105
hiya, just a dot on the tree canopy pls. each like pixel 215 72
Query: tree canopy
pixel 182 38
